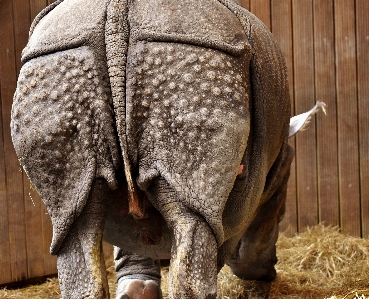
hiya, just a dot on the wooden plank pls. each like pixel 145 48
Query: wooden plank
pixel 5 267
pixel 328 189
pixel 282 30
pixel 33 234
pixel 261 8
pixel 21 28
pixel 14 182
pixel 36 6
pixel 347 116
pixel 303 44
pixel 362 28
pixel 245 3
pixel 5 261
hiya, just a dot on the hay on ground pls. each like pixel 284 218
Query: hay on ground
pixel 322 262
pixel 318 263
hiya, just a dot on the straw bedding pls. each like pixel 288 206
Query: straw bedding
pixel 318 263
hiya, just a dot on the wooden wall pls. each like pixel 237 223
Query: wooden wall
pixel 325 43
pixel 25 228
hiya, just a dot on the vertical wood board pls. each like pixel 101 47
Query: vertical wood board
pixel 325 90
pixel 36 6
pixel 261 8
pixel 347 116
pixel 304 90
pixel 245 4
pixel 5 263
pixel 362 61
pixel 14 180
pixel 33 234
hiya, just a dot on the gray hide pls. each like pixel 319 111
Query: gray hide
pixel 189 97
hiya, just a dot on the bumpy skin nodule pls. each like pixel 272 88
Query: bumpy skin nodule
pixel 62 127
pixel 185 92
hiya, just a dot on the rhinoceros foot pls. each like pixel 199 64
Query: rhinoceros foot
pixel 138 289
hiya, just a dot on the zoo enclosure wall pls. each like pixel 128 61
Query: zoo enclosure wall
pixel 325 43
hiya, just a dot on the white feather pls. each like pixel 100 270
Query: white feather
pixel 299 122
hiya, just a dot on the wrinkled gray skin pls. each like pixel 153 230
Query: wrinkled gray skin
pixel 191 99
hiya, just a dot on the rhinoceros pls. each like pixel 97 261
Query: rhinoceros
pixel 160 126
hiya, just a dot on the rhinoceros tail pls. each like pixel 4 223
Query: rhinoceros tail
pixel 116 36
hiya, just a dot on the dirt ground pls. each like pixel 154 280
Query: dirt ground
pixel 319 263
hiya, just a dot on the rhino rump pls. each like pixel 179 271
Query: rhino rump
pixel 62 130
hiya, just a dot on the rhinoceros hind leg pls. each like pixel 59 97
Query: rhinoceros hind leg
pixel 193 264
pixel 81 266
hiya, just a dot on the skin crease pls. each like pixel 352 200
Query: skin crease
pixel 189 99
